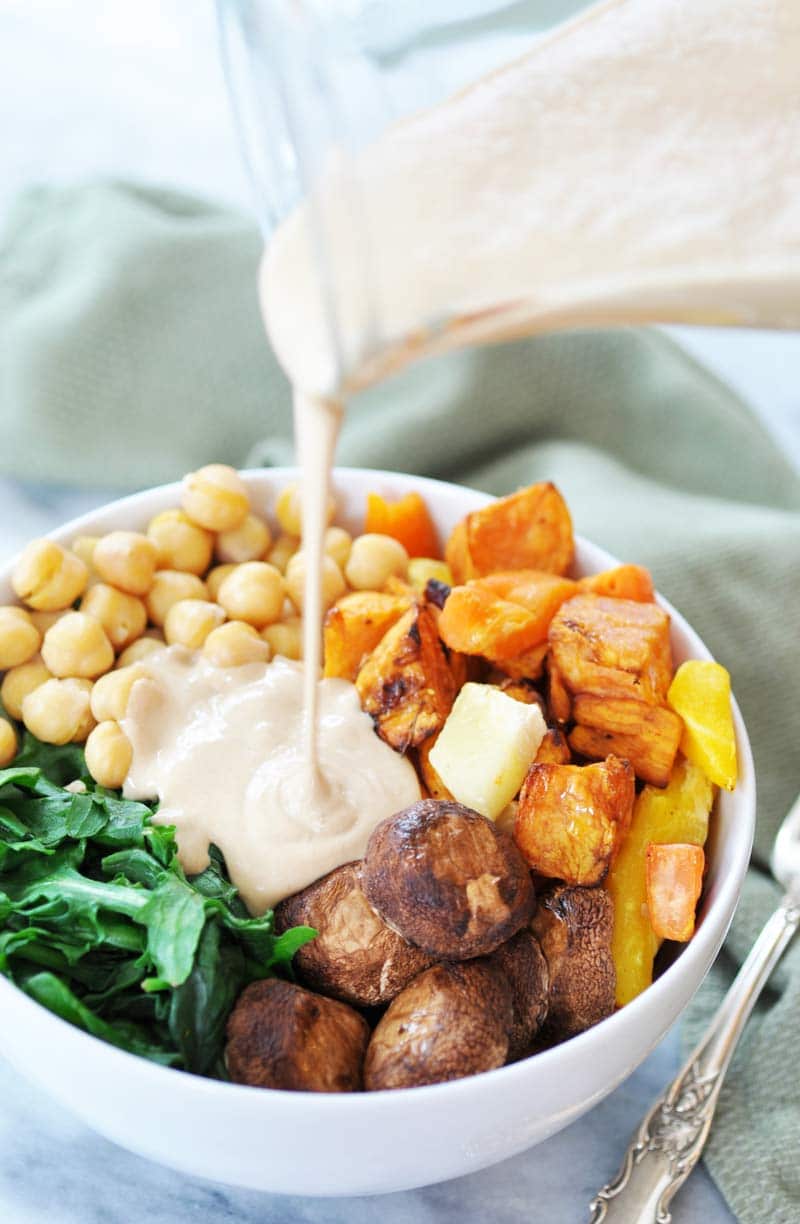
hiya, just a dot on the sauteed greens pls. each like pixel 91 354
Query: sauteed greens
pixel 99 923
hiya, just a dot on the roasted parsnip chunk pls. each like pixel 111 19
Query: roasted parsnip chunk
pixel 572 818
pixel 646 735
pixel 612 648
pixel 406 683
pixel 354 626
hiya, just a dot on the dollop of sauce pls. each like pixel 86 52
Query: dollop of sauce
pixel 223 750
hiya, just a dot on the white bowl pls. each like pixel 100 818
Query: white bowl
pixel 370 1143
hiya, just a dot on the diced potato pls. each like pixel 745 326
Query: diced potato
pixel 612 647
pixel 622 582
pixel 701 694
pixel 354 626
pixel 406 683
pixel 573 818
pixel 679 813
pixel 486 746
pixel 674 879
pixel 647 735
pixel 531 529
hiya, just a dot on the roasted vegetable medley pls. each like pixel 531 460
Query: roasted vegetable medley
pixel 567 773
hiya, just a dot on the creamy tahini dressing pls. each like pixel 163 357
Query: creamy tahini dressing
pixel 223 750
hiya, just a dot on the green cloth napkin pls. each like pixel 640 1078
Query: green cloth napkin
pixel 133 351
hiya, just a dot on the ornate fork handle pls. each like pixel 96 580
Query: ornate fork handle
pixel 671 1137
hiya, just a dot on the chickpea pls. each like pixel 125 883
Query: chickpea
pixel 20 681
pixel 108 754
pixel 43 620
pixel 83 547
pixel 181 544
pixel 235 643
pixel 123 616
pixel 373 559
pixel 139 650
pixel 333 584
pixel 289 510
pixel 253 592
pixel 285 638
pixel 189 622
pixel 338 544
pixel 247 542
pixel 168 587
pixel 19 637
pixel 8 743
pixel 77 645
pixel 126 559
pixel 216 577
pixel 215 497
pixel 48 577
pixel 58 711
pixel 111 692
pixel 282 551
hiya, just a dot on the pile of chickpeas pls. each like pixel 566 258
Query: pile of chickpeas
pixel 207 575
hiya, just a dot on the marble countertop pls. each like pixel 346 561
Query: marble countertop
pixel 55 1171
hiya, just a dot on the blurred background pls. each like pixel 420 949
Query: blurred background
pixel 136 92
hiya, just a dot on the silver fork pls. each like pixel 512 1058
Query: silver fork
pixel 671 1137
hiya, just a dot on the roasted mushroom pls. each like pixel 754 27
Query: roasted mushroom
pixel 451 1021
pixel 574 927
pixel 447 879
pixel 282 1036
pixel 355 956
pixel 523 964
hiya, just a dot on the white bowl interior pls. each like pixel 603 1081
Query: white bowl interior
pixel 372 1142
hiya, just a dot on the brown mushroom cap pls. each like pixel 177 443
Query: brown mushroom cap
pixel 453 1020
pixel 522 962
pixel 355 956
pixel 574 927
pixel 282 1036
pixel 447 879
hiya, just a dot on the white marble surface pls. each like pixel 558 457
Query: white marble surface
pixel 54 1171
pixel 106 88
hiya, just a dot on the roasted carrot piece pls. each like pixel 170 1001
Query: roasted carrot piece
pixel 527 666
pixel 354 626
pixel 674 881
pixel 541 593
pixel 407 520
pixel 622 582
pixel 531 529
pixel 476 622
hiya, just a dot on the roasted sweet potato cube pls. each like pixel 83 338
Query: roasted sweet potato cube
pixel 522 690
pixel 531 529
pixel 354 626
pixel 558 697
pixel 430 778
pixel 554 749
pixel 622 582
pixel 527 666
pixel 406 683
pixel 477 622
pixel 571 818
pixel 612 647
pixel 647 735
